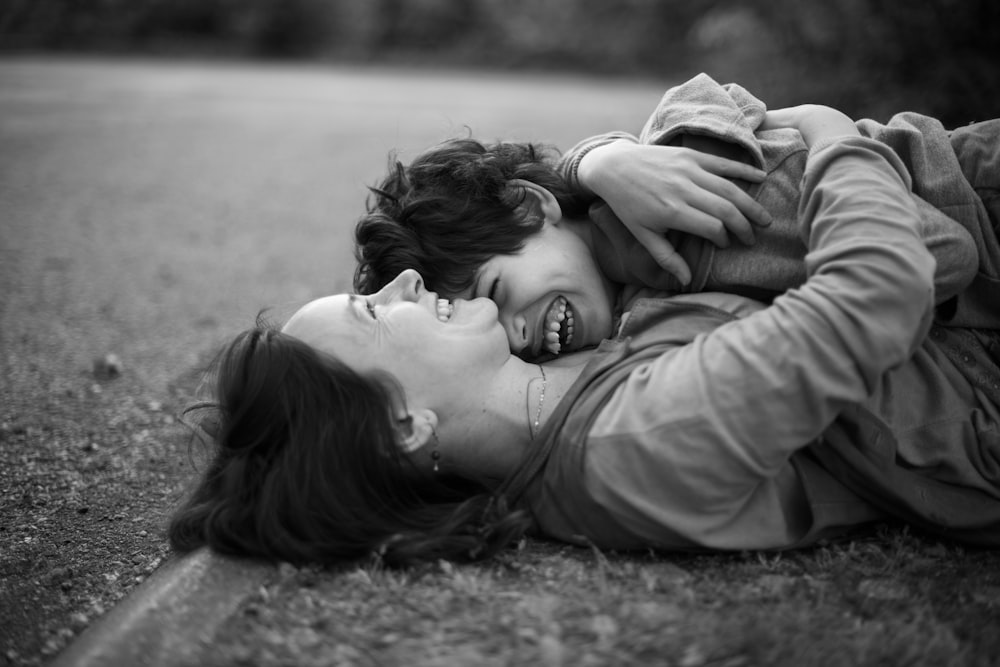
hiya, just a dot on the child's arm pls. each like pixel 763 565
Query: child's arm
pixel 656 189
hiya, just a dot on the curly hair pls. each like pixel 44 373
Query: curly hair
pixel 306 469
pixel 451 210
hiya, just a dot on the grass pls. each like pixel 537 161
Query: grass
pixel 887 598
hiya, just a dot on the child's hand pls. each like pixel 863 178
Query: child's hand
pixel 655 189
pixel 814 122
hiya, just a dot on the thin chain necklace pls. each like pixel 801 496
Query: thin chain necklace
pixel 541 402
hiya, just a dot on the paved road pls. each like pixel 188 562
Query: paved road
pixel 150 209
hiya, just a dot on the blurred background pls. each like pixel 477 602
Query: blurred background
pixel 867 57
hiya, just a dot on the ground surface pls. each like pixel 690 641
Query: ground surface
pixel 148 210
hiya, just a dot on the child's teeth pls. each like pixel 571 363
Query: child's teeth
pixel 444 310
pixel 558 317
pixel 551 343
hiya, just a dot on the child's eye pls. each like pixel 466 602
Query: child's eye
pixel 493 289
pixel 371 308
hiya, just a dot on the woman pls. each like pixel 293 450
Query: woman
pixel 399 423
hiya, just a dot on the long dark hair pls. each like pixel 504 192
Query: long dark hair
pixel 306 468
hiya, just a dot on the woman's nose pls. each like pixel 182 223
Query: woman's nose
pixel 407 286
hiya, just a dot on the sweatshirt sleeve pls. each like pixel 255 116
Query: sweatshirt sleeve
pixel 699 434
pixel 569 164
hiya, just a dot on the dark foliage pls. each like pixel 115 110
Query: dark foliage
pixel 868 57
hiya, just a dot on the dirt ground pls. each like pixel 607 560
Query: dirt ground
pixel 148 211
pixel 87 476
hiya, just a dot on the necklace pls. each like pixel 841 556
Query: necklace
pixel 541 402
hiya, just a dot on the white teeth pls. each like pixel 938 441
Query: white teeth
pixel 558 326
pixel 444 310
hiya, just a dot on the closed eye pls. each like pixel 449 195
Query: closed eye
pixel 371 308
pixel 493 289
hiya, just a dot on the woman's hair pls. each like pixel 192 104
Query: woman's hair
pixel 451 210
pixel 306 468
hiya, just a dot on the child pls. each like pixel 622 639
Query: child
pixel 478 221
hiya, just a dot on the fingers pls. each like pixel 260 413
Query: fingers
pixel 736 209
pixel 721 166
pixel 729 203
pixel 714 216
pixel 701 217
pixel 752 210
pixel 664 254
pixel 730 218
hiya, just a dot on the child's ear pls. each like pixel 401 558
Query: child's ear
pixel 538 202
pixel 417 429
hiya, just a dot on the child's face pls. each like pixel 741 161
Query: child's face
pixel 551 296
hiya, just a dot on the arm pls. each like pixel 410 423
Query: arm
pixel 725 413
pixel 654 189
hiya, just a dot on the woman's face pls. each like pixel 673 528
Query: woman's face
pixel 551 296
pixel 433 347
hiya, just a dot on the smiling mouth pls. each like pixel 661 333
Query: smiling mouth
pixel 558 327
pixel 445 309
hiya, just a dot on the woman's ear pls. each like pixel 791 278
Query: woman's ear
pixel 538 202
pixel 417 429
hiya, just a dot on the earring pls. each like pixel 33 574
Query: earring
pixel 435 454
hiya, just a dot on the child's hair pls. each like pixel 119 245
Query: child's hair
pixel 451 210
pixel 306 468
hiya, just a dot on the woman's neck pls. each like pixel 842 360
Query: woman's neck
pixel 560 374
pixel 490 442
